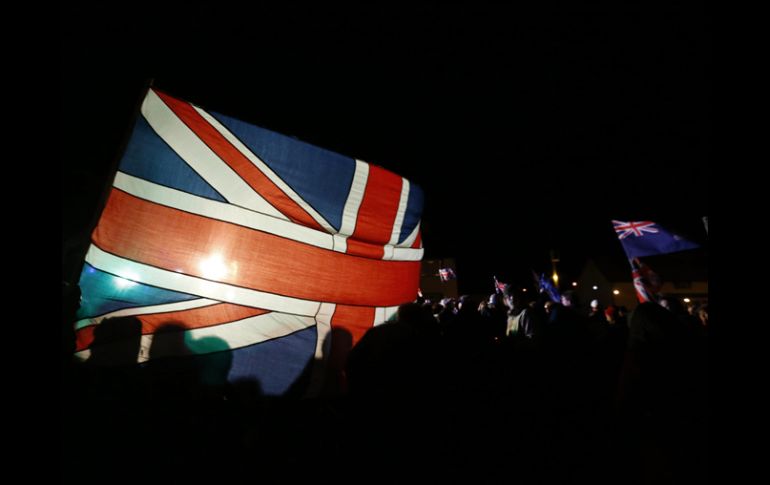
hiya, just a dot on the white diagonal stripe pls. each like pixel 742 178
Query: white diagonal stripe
pixel 355 196
pixel 221 211
pixel 400 212
pixel 201 158
pixel 262 166
pixel 411 237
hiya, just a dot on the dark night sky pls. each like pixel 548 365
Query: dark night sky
pixel 527 131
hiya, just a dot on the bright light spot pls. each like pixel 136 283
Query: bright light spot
pixel 555 278
pixel 595 287
pixel 214 267
pixel 615 292
pixel 125 280
pixel 574 283
pixel 686 300
pixel 524 290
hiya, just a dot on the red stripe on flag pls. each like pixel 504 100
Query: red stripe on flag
pixel 349 324
pixel 354 319
pixel 417 240
pixel 379 206
pixel 174 240
pixel 194 318
pixel 360 248
pixel 238 162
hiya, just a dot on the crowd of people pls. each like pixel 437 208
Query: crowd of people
pixel 529 391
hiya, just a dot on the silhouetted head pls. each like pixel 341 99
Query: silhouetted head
pixel 116 342
pixel 409 313
pixel 703 316
pixel 568 298
pixel 609 314
pixel 548 306
pixel 169 341
pixel 651 324
pixel 513 299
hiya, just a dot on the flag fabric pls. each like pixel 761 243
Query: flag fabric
pixel 641 290
pixel 253 243
pixel 646 282
pixel 651 278
pixel 546 285
pixel 646 238
pixel 446 274
pixel 499 287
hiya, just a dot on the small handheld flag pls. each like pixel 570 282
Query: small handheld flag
pixel 446 274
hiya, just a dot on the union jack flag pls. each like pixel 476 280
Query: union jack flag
pixel 254 243
pixel 646 282
pixel 625 229
pixel 642 292
pixel 499 286
pixel 446 274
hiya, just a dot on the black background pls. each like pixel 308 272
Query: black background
pixel 528 131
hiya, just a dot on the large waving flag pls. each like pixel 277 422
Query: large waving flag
pixel 266 243
pixel 646 238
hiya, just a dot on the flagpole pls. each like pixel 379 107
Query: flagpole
pixel 555 259
pixel 72 278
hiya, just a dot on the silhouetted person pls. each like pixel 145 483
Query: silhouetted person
pixel 519 322
pixel 113 364
pixel 663 398
pixel 391 375
pixel 70 304
pixel 172 373
pixel 703 315
pixel 213 361
pixel 108 416
pixel 389 358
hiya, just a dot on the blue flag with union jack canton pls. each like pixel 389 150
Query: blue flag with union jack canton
pixel 251 243
pixel 646 238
